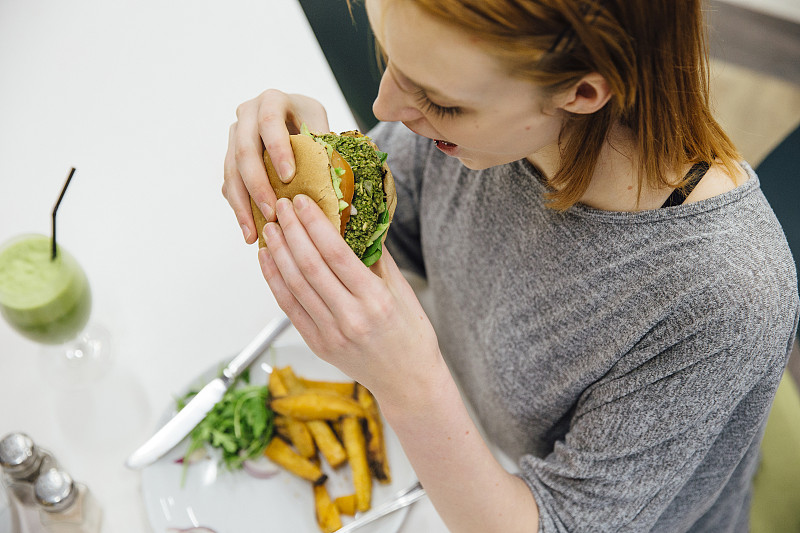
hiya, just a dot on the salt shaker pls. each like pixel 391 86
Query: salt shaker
pixel 64 505
pixel 22 461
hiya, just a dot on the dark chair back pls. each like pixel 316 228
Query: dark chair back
pixel 779 174
pixel 349 47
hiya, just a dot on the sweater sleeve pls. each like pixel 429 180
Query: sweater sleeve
pixel 696 408
pixel 404 160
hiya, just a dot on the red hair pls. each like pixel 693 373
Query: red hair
pixel 653 54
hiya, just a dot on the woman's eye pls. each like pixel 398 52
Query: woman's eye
pixel 440 111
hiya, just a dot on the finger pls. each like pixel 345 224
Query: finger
pixel 319 340
pixel 387 270
pixel 308 258
pixel 274 111
pixel 294 279
pixel 306 110
pixel 286 300
pixel 235 192
pixel 246 149
pixel 336 253
pixel 385 267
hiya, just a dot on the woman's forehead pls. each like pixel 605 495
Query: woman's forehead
pixel 434 55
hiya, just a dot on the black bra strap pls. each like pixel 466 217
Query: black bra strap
pixel 694 176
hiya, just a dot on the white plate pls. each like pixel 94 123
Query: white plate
pixel 234 502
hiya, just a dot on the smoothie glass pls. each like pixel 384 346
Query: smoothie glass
pixel 49 301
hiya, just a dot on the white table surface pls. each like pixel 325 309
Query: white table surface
pixel 138 96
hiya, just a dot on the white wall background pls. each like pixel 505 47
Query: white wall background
pixel 787 9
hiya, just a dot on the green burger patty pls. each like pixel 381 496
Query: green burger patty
pixel 368 196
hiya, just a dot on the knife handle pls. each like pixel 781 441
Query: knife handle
pixel 255 348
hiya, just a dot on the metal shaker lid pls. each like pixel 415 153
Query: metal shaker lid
pixel 18 455
pixel 54 490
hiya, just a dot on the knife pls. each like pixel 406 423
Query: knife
pixel 198 407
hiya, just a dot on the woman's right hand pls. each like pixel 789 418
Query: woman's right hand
pixel 264 122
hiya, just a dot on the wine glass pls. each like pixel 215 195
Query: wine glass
pixel 45 296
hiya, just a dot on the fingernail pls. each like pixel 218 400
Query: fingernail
pixel 283 205
pixel 270 231
pixel 268 212
pixel 245 232
pixel 301 201
pixel 286 171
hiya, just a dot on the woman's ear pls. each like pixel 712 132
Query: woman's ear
pixel 587 96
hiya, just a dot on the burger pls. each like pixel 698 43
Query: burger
pixel 347 176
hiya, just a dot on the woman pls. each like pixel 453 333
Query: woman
pixel 618 326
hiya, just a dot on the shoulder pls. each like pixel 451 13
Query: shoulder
pixel 718 180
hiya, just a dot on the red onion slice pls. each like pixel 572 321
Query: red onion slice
pixel 260 468
pixel 196 456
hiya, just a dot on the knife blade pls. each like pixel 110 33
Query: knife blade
pixel 198 407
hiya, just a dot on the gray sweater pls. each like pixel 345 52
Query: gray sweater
pixel 625 361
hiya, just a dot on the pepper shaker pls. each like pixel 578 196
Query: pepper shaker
pixel 64 505
pixel 22 461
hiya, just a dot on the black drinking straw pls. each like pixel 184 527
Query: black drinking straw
pixel 58 203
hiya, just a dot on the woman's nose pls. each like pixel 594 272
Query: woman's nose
pixel 393 104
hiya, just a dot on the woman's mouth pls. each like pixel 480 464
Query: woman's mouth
pixel 446 147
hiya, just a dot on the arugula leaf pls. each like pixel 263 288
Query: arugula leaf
pixel 240 425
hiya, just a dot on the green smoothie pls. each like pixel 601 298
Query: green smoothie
pixel 46 300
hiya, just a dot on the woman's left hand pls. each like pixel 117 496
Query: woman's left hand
pixel 366 321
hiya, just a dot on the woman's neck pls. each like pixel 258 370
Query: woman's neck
pixel 614 185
